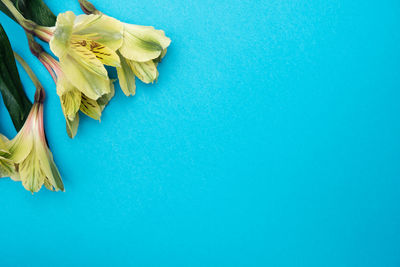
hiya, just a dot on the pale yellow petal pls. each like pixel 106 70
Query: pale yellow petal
pixel 145 71
pixel 90 107
pixel 126 77
pixel 85 57
pixel 103 101
pixel 59 43
pixel 162 55
pixel 31 174
pixel 102 52
pixel 48 168
pixel 143 43
pixel 88 82
pixel 100 28
pixel 63 85
pixel 70 103
pixel 7 167
pixel 20 146
pixel 72 126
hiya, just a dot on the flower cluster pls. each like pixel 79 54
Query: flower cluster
pixel 85 43
pixel 84 46
pixel 72 99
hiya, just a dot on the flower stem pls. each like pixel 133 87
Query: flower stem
pixel 40 93
pixel 14 11
pixel 48 68
pixel 50 63
pixel 35 48
pixel 44 33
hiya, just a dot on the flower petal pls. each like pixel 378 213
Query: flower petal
pixel 59 43
pixel 143 43
pixel 32 176
pixel 100 28
pixel 126 77
pixel 72 125
pixel 70 103
pixel 162 55
pixel 103 53
pixel 48 168
pixel 86 57
pixel 90 107
pixel 88 82
pixel 21 145
pixel 145 71
pixel 105 99
pixel 7 168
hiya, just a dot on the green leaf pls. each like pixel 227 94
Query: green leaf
pixel 14 97
pixel 35 10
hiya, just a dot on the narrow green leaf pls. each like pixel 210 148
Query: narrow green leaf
pixel 35 10
pixel 14 97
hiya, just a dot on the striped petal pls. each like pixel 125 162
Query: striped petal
pixel 90 107
pixel 86 57
pixel 100 28
pixel 32 176
pixel 102 52
pixel 52 178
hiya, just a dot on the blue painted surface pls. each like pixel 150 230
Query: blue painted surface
pixel 270 139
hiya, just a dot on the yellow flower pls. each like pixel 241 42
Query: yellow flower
pixel 72 98
pixel 83 44
pixel 141 50
pixel 29 151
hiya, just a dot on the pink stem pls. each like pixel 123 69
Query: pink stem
pixel 49 69
pixel 44 33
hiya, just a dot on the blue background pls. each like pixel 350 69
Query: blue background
pixel 272 138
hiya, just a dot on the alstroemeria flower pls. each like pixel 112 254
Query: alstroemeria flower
pixel 31 154
pixel 72 98
pixel 83 44
pixel 142 48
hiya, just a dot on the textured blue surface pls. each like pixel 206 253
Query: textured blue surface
pixel 271 139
